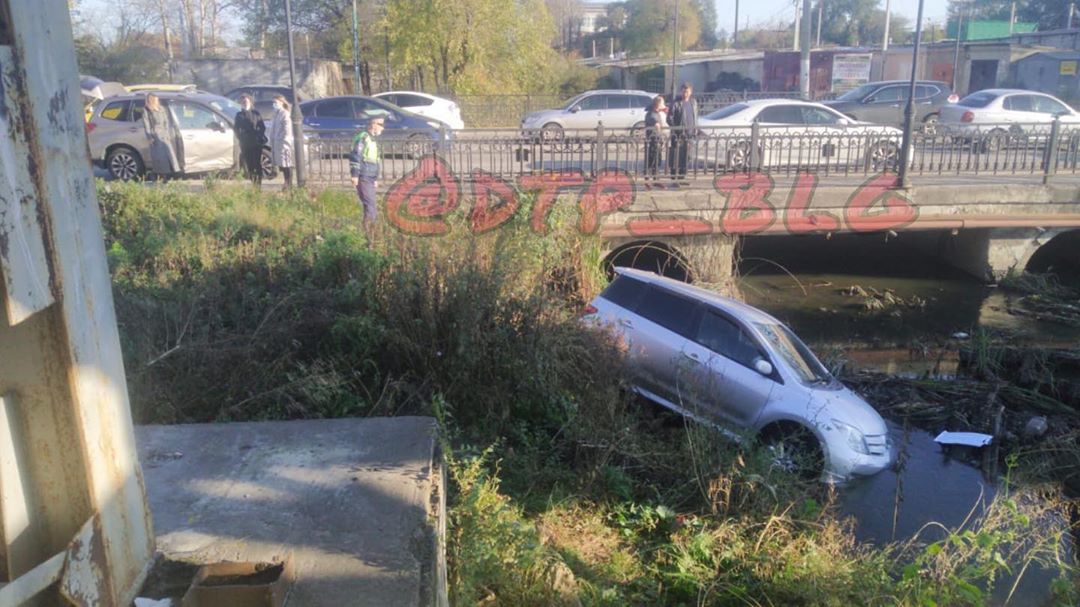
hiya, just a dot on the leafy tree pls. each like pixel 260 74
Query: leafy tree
pixel 475 46
pixel 651 23
pixel 707 15
pixel 855 22
pixel 1049 14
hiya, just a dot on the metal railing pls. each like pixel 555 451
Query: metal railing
pixel 840 150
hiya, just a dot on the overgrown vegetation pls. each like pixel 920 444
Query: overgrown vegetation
pixel 236 305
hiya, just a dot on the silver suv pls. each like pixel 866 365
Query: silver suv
pixel 723 362
pixel 118 141
pixel 617 110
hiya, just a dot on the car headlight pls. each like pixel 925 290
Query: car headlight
pixel 854 436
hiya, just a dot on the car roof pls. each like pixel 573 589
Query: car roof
pixel 883 82
pixel 619 91
pixel 1011 92
pixel 417 93
pixel 759 103
pixel 725 304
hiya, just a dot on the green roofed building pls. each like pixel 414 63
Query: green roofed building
pixel 988 30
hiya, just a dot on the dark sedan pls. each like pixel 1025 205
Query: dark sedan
pixel 883 102
pixel 347 115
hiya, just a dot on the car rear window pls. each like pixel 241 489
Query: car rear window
pixel 115 110
pixel 625 292
pixel 977 100
pixel 668 310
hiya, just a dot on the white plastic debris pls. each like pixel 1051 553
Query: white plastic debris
pixel 969 439
pixel 143 602
pixel 960 335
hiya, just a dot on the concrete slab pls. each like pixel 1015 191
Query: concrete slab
pixel 356 502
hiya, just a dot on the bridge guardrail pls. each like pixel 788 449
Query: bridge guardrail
pixel 846 150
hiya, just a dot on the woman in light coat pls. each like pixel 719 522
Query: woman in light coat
pixel 166 144
pixel 281 138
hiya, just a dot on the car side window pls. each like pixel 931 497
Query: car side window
pixel 116 110
pixel 1046 105
pixel 724 337
pixel 1018 103
pixel 925 91
pixel 814 115
pixel 781 114
pixel 619 102
pixel 668 310
pixel 593 102
pixel 136 111
pixel 192 116
pixel 334 108
pixel 412 101
pixel 391 99
pixel 625 292
pixel 889 94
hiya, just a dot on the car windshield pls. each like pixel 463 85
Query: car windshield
pixel 857 94
pixel 795 353
pixel 225 106
pixel 724 112
pixel 977 100
pixel 572 102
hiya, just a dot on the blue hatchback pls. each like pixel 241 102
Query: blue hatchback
pixel 344 116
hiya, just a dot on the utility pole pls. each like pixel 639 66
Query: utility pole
pixel 1012 18
pixel 820 4
pixel 1072 9
pixel 674 50
pixel 804 52
pixel 356 48
pixel 885 40
pixel 795 38
pixel 735 37
pixel 297 119
pixel 909 109
pixel 956 49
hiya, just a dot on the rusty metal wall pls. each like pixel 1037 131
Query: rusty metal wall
pixel 69 477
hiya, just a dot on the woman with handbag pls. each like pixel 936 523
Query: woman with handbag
pixel 251 133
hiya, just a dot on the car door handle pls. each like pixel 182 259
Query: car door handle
pixel 692 356
pixel 314 124
pixel 626 323
pixel 133 130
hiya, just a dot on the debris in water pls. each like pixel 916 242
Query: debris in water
pixel 1035 427
pixel 970 439
pixel 960 335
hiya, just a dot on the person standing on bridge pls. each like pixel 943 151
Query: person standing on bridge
pixel 655 130
pixel 250 131
pixel 364 169
pixel 281 139
pixel 683 119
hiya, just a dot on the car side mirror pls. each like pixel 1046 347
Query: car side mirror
pixel 217 126
pixel 575 109
pixel 763 367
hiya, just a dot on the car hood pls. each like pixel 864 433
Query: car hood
pixel 846 406
pixel 541 115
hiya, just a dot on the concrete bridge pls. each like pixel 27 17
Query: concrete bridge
pixel 984 226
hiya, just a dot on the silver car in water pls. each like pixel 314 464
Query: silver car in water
pixel 723 362
pixel 118 141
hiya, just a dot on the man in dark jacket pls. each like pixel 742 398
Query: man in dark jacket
pixel 251 133
pixel 683 120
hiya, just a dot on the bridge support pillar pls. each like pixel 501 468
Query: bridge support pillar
pixel 985 253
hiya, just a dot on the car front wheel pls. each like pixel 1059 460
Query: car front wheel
pixel 124 163
pixel 794 449
pixel 882 156
pixel 551 132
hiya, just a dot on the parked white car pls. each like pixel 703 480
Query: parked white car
pixel 793 133
pixel 723 362
pixel 429 106
pixel 619 110
pixel 997 116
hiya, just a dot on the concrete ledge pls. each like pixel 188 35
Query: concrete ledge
pixel 358 503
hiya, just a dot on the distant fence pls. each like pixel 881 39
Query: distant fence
pixel 991 149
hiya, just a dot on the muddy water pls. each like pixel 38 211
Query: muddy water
pixel 807 283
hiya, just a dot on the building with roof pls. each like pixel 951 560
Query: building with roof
pixel 1053 72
